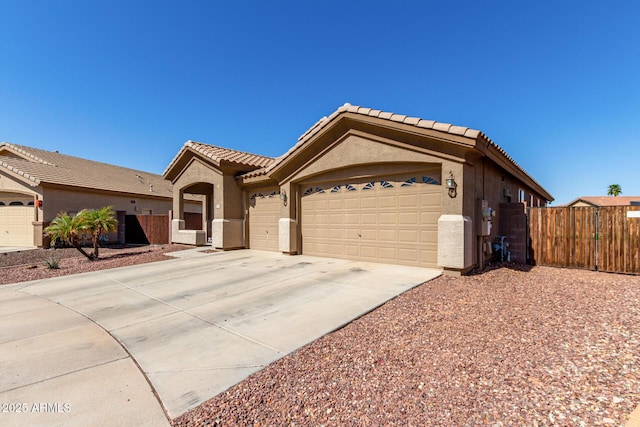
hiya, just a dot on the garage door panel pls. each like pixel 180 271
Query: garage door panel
pixel 427 217
pixel 370 252
pixel 427 236
pixel 387 253
pixel 408 236
pixel 408 200
pixel 351 219
pixel 430 200
pixel 337 249
pixel 351 250
pixel 392 219
pixel 336 234
pixel 387 218
pixel 408 255
pixel 370 234
pixel 368 202
pixel 388 235
pixel 335 204
pixel 264 210
pixel 351 234
pixel 16 225
pixel 408 218
pixel 335 219
pixel 351 203
pixel 321 204
pixel 387 202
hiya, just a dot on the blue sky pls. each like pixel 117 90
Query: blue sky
pixel 555 83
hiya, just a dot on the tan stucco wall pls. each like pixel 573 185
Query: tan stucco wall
pixel 226 219
pixel 9 184
pixel 195 172
pixel 57 199
pixel 355 150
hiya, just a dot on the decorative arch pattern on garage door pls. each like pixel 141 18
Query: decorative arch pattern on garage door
pixel 392 219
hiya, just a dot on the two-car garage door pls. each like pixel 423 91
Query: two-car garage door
pixel 387 219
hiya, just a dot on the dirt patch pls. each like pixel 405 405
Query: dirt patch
pixel 32 264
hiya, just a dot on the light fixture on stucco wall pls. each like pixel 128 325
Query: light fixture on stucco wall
pixel 283 196
pixel 452 186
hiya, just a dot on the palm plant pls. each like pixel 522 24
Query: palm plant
pixel 97 223
pixel 68 229
pixel 614 190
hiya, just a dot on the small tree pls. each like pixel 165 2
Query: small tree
pixel 614 190
pixel 94 222
pixel 99 222
pixel 68 229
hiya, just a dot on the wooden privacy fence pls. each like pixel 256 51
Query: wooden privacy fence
pixel 147 229
pixel 601 239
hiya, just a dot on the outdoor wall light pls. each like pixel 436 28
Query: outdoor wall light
pixel 283 196
pixel 452 186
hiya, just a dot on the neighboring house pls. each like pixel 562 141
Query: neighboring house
pixel 36 184
pixel 598 201
pixel 360 184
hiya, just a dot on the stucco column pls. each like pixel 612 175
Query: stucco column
pixel 227 227
pixel 288 222
pixel 178 204
pixel 455 237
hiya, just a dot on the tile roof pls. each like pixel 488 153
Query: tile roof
pixel 218 154
pixel 399 118
pixel 606 200
pixel 40 166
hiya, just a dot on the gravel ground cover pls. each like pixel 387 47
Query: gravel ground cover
pixel 31 264
pixel 509 347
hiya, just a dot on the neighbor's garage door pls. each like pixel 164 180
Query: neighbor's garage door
pixel 16 228
pixel 264 213
pixel 387 219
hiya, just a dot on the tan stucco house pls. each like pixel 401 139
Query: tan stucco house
pixel 37 184
pixel 360 184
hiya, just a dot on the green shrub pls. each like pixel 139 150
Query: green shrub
pixel 52 263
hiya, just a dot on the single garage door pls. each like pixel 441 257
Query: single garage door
pixel 264 214
pixel 16 228
pixel 387 219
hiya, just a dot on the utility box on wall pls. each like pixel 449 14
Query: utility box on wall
pixel 487 215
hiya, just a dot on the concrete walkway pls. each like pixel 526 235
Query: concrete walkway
pixel 4 249
pixel 195 326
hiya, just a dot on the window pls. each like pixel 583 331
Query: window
pixel 16 204
pixel 336 189
pixel 520 195
pixel 308 191
pixel 369 186
pixel 350 187
pixel 429 180
pixel 386 184
pixel 319 190
pixel 409 182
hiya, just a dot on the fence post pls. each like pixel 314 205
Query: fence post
pixel 597 237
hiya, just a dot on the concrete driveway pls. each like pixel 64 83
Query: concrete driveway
pixel 121 346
